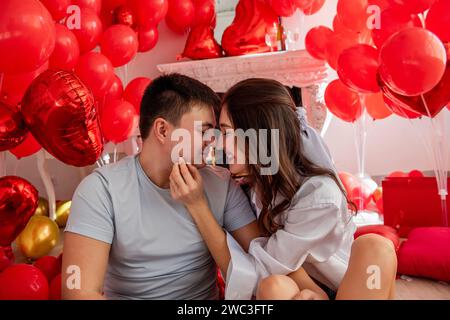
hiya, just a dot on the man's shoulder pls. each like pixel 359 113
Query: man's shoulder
pixel 215 174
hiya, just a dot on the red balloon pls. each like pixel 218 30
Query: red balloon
pixel 416 174
pixel 201 44
pixel 96 71
pixel 382 4
pixel 358 68
pixel 336 44
pixel 15 85
pixel 393 19
pixel 95 5
pixel 49 266
pixel 6 258
pixel 361 196
pixel 438 19
pixel 60 112
pixel 18 202
pixel 23 282
pixel 412 62
pixel 313 7
pixel 204 12
pixel 180 15
pixel 135 91
pixel 149 12
pixel 413 6
pixel 400 110
pixel 353 14
pixel 55 288
pixel 247 33
pixel 67 51
pixel 342 102
pixel 148 38
pixel 348 180
pixel 57 8
pixel 283 8
pixel 110 5
pixel 115 92
pixel 431 103
pixel 120 44
pixel 118 121
pixel 27 35
pixel 124 15
pixel 90 31
pixel 316 41
pixel 12 127
pixel 27 148
pixel 376 106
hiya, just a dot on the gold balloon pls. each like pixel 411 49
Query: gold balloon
pixel 43 207
pixel 62 213
pixel 38 238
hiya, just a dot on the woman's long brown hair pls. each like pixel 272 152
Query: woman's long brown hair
pixel 267 104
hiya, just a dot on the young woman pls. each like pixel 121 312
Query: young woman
pixel 302 212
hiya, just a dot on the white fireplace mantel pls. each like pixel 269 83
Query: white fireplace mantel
pixel 292 68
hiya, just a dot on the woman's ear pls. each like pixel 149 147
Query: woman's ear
pixel 161 130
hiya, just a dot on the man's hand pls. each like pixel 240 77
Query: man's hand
pixel 186 185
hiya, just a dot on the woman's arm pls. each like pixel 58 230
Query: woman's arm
pixel 186 186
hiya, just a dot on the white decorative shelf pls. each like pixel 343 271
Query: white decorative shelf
pixel 292 68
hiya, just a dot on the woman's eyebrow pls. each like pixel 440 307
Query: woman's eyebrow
pixel 227 126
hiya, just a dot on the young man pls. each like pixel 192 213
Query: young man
pixel 126 237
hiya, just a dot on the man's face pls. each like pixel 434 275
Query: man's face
pixel 187 139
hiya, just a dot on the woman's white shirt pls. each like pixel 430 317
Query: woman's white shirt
pixel 317 235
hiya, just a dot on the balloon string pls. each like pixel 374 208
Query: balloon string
pixel 3 163
pixel 115 153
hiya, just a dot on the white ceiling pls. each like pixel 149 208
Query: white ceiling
pixel 225 5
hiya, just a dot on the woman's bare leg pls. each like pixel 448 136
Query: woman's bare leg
pixel 372 270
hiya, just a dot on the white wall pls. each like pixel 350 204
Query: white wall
pixel 392 143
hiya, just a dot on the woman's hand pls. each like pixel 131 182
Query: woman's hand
pixel 186 186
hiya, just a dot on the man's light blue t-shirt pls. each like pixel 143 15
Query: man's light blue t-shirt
pixel 157 251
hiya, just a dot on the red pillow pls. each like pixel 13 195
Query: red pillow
pixel 385 231
pixel 426 253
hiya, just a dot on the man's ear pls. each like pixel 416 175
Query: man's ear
pixel 161 130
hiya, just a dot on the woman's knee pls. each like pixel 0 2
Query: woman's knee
pixel 375 246
pixel 277 287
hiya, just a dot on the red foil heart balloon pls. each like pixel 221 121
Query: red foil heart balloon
pixel 431 103
pixel 247 33
pixel 61 113
pixel 12 127
pixel 201 44
pixel 18 202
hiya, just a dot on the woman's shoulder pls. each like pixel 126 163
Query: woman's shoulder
pixel 318 191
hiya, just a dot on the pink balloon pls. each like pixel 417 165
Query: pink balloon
pixel 120 44
pixel 67 51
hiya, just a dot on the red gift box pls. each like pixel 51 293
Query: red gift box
pixel 411 203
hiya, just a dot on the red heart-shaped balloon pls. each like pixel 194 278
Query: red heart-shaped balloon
pixel 62 114
pixel 247 33
pixel 12 128
pixel 201 44
pixel 435 100
pixel 18 202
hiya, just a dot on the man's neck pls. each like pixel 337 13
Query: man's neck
pixel 156 170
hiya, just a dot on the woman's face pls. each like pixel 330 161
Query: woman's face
pixel 230 146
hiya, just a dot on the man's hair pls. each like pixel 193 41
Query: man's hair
pixel 170 97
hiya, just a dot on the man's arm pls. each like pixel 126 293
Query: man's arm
pixel 90 258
